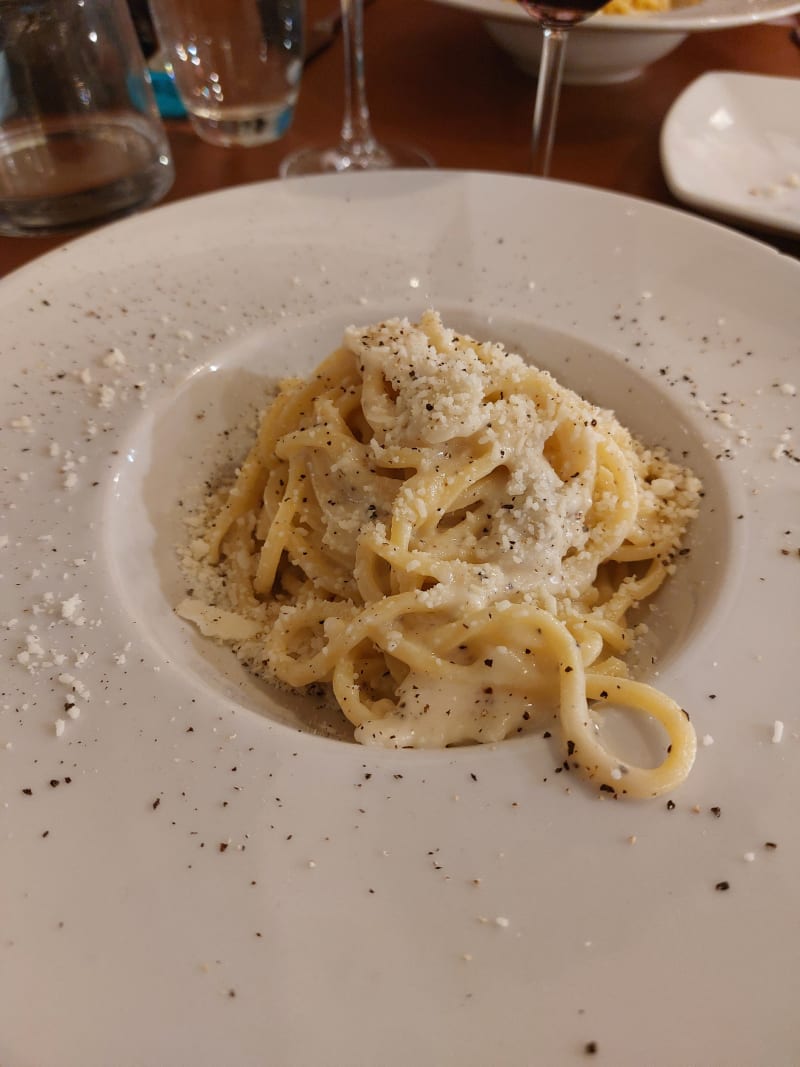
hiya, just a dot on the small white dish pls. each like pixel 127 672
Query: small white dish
pixel 730 146
pixel 617 48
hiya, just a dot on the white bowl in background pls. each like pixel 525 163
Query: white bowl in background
pixel 616 48
pixel 594 57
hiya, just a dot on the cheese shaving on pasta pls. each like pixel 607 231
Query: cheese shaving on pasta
pixel 451 542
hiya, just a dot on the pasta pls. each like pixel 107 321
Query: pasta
pixel 630 7
pixel 452 542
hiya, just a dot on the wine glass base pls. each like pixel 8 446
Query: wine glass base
pixel 339 159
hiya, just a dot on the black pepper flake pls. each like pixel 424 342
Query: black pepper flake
pixel 567 669
pixel 590 1048
pixel 716 811
pixel 547 734
pixel 28 792
pixel 570 747
pixel 223 845
pixel 156 802
pixel 722 887
pixel 670 805
pixel 474 777
pixel 770 844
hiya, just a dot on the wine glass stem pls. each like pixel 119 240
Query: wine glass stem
pixel 548 90
pixel 356 133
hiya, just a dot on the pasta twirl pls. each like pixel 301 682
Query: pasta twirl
pixel 452 542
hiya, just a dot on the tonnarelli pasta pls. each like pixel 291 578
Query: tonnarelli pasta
pixel 631 7
pixel 452 542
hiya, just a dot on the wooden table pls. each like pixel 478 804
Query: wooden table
pixel 435 78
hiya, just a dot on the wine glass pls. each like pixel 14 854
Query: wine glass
pixel 556 17
pixel 357 148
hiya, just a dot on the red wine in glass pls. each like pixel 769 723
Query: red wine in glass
pixel 556 17
pixel 571 11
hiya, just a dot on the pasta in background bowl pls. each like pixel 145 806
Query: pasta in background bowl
pixel 617 45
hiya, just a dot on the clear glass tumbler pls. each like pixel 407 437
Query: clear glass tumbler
pixel 81 140
pixel 237 64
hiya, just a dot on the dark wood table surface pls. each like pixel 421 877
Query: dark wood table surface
pixel 435 78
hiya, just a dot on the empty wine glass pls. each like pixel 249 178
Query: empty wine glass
pixel 556 17
pixel 357 148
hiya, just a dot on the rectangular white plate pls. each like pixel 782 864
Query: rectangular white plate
pixel 730 146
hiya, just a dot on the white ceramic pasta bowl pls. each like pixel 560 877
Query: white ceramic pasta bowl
pixel 616 48
pixel 190 873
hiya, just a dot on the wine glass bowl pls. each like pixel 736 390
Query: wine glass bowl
pixel 561 12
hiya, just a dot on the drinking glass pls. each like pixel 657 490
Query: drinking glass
pixel 81 139
pixel 237 64
pixel 357 148
pixel 556 17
